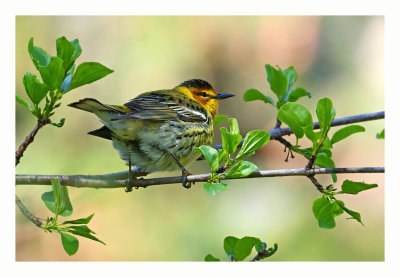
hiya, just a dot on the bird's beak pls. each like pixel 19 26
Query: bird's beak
pixel 221 96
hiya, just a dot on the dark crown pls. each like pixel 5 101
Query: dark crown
pixel 196 83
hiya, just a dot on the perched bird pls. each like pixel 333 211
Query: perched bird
pixel 158 130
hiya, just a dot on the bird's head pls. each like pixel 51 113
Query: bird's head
pixel 202 92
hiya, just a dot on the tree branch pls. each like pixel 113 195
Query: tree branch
pixel 29 139
pixel 25 212
pixel 82 181
pixel 18 155
pixel 276 133
pixel 119 179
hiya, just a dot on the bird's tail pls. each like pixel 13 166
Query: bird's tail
pixel 108 115
pixel 90 105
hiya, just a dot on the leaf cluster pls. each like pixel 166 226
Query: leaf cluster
pixel 238 167
pixel 280 82
pixel 58 76
pixel 327 207
pixel 57 201
pixel 239 249
pixel 300 120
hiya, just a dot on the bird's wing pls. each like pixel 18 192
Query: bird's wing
pixel 164 105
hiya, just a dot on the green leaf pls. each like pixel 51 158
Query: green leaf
pixel 297 117
pixel 211 258
pixel 34 88
pixel 59 124
pixel 272 251
pixel 253 141
pixel 318 204
pixel 334 177
pixel 211 156
pixel 81 228
pixel 218 119
pixel 66 85
pixel 221 155
pixel 345 132
pixel 234 126
pixel 241 169
pixel 229 141
pixel 84 220
pixel 229 246
pixel 326 145
pixel 57 199
pixel 70 243
pixel 89 72
pixel 78 49
pixel 291 76
pixel 381 135
pixel 337 209
pixel 326 217
pixel 297 93
pixel 325 113
pixel 354 214
pixel 60 194
pixel 306 152
pixel 351 187
pixel 68 51
pixel 53 73
pixel 323 211
pixel 213 188
pixel 261 246
pixel 277 80
pixel 244 246
pixel 322 160
pixel 23 102
pixel 39 57
pixel 254 94
pixel 83 231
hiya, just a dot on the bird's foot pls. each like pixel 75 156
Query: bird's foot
pixel 185 183
pixel 129 184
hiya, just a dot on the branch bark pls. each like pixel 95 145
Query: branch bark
pixel 27 213
pixel 97 181
pixel 29 139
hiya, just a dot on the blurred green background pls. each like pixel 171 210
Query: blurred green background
pixel 340 57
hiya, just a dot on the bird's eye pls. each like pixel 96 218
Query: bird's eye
pixel 203 94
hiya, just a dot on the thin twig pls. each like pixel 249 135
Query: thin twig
pixel 288 147
pixel 27 213
pixel 82 181
pixel 260 255
pixel 18 155
pixel 278 124
pixel 319 187
pixel 29 139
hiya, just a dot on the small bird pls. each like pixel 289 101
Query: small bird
pixel 158 130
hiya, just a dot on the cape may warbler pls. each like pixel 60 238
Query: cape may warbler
pixel 158 130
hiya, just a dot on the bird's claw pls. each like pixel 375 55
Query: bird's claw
pixel 129 185
pixel 185 183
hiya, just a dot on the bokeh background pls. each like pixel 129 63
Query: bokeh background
pixel 340 57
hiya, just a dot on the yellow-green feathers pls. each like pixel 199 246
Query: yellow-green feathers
pixel 156 128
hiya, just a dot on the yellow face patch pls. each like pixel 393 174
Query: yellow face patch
pixel 202 96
